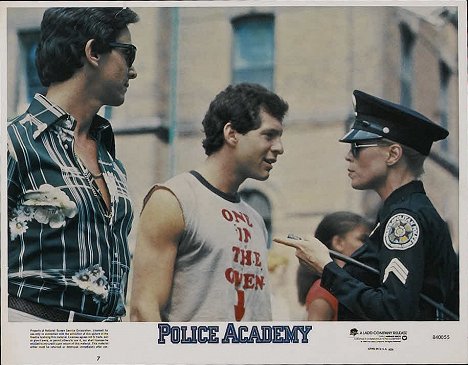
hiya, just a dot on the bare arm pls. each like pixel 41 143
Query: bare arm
pixel 159 230
pixel 319 310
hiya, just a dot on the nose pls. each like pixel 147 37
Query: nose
pixel 132 74
pixel 278 147
pixel 349 156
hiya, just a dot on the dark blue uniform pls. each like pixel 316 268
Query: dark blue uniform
pixel 412 249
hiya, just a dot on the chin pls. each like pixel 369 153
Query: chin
pixel 360 187
pixel 117 101
pixel 120 102
pixel 261 177
pixel 357 186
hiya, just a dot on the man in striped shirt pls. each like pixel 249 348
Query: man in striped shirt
pixel 69 210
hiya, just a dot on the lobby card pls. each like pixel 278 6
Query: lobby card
pixel 314 53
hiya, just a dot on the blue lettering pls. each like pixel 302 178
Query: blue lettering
pixel 185 335
pixel 164 330
pixel 241 334
pixel 255 335
pixel 305 331
pixel 242 330
pixel 267 334
pixel 290 335
pixel 175 334
pixel 230 335
pixel 210 335
pixel 213 334
pixel 188 339
pixel 277 334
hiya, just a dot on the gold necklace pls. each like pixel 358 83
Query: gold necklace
pixel 95 177
pixel 99 176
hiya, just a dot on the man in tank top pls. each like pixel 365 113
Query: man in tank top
pixel 201 252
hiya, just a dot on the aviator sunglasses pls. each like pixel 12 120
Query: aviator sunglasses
pixel 129 51
pixel 355 147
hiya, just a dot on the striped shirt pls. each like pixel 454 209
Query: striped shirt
pixel 65 248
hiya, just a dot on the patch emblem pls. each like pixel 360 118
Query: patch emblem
pixel 398 269
pixel 401 232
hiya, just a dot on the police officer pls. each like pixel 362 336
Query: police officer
pixel 410 245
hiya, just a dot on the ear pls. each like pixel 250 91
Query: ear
pixel 395 153
pixel 337 243
pixel 91 55
pixel 230 134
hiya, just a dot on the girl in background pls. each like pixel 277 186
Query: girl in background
pixel 343 232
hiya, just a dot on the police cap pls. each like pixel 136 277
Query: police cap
pixel 376 118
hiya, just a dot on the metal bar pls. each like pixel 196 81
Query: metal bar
pixel 446 164
pixel 173 91
pixel 349 260
pixel 136 130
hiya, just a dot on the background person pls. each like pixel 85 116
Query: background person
pixel 343 232
pixel 410 244
pixel 201 252
pixel 68 206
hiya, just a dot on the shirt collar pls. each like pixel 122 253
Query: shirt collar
pixel 47 114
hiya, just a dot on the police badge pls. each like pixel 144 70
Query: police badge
pixel 401 232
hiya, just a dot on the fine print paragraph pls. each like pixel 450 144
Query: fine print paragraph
pixel 68 338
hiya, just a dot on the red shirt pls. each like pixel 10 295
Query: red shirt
pixel 316 291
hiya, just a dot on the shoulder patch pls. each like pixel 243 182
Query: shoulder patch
pixel 401 232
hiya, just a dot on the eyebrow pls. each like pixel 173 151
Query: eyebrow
pixel 275 131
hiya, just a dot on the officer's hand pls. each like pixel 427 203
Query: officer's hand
pixel 311 252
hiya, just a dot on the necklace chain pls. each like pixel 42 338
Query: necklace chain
pixel 99 176
pixel 107 213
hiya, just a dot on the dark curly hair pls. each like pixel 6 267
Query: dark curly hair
pixel 333 224
pixel 64 33
pixel 241 105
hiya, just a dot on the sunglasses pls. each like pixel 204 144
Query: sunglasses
pixel 355 148
pixel 129 51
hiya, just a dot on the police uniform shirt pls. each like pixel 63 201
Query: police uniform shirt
pixel 412 249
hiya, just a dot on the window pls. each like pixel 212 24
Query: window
pixel 253 49
pixel 261 204
pixel 29 40
pixel 406 75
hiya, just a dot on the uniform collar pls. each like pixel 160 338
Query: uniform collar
pixel 415 186
pixel 48 114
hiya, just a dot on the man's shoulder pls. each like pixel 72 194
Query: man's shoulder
pixel 20 128
pixel 170 184
pixel 14 121
pixel 181 178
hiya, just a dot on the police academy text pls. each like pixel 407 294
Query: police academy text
pixel 232 334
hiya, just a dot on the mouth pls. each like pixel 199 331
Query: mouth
pixel 270 162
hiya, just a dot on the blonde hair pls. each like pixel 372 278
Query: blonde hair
pixel 414 159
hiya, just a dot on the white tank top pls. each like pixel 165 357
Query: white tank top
pixel 221 269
